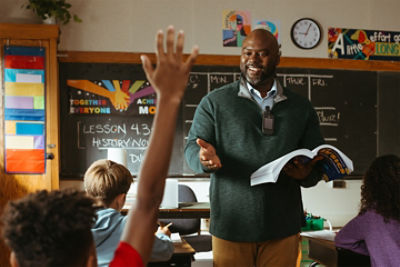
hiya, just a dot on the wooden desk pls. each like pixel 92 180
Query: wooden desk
pixel 322 251
pixel 183 255
pixel 184 211
pixel 187 210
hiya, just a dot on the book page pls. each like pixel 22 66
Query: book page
pixel 176 237
pixel 269 172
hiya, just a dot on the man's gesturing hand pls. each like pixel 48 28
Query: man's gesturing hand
pixel 208 155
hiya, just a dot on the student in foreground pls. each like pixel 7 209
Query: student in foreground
pixel 375 231
pixel 48 233
pixel 109 182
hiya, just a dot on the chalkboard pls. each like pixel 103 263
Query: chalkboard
pixel 389 113
pixel 346 102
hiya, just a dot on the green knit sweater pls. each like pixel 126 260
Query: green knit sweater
pixel 230 119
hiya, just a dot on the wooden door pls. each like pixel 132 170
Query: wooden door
pixel 15 185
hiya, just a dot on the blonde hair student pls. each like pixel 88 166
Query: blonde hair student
pixel 108 182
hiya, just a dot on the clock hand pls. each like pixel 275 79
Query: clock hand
pixel 309 26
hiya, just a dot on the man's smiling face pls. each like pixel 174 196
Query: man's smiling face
pixel 259 57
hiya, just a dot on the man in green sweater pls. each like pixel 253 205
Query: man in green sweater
pixel 232 135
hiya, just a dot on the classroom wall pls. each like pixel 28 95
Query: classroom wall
pixel 129 26
pixel 126 25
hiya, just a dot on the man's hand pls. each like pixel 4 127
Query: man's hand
pixel 208 156
pixel 299 171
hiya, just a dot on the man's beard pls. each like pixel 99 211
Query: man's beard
pixel 265 75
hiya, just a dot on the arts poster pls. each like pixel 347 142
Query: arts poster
pixel 270 26
pixel 236 25
pixel 24 109
pixel 111 97
pixel 363 44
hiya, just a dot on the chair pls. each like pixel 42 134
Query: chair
pixel 189 229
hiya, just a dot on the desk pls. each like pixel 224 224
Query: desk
pixel 184 211
pixel 322 251
pixel 187 210
pixel 183 254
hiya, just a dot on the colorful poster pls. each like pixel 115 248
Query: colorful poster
pixel 24 109
pixel 363 44
pixel 235 27
pixel 113 97
pixel 270 26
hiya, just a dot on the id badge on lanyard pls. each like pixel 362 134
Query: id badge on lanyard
pixel 268 122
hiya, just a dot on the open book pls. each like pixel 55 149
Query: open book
pixel 335 163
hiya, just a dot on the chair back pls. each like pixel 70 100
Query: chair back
pixel 184 226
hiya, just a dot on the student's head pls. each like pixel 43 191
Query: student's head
pixel 260 57
pixel 106 180
pixel 50 229
pixel 381 187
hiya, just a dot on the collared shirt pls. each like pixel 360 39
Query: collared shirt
pixel 268 100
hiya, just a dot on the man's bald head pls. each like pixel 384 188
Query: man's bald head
pixel 259 58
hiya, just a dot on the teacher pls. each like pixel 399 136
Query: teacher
pixel 238 128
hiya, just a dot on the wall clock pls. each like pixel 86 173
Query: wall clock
pixel 306 33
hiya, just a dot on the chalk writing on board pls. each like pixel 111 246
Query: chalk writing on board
pixel 309 80
pixel 328 116
pixel 122 135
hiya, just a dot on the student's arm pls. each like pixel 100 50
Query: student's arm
pixel 169 79
pixel 163 248
pixel 352 236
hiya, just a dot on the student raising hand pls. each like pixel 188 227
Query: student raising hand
pixel 169 79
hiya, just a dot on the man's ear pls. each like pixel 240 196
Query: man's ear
pixel 13 260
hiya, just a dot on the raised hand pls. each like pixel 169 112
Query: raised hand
pixel 208 155
pixel 171 75
pixel 169 80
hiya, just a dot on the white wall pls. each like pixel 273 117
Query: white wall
pixel 130 25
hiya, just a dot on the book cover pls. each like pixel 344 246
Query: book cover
pixel 335 163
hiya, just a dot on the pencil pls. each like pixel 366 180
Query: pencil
pixel 168 225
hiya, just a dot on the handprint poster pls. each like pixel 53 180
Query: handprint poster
pixel 111 97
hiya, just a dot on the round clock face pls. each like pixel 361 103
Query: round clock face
pixel 306 33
